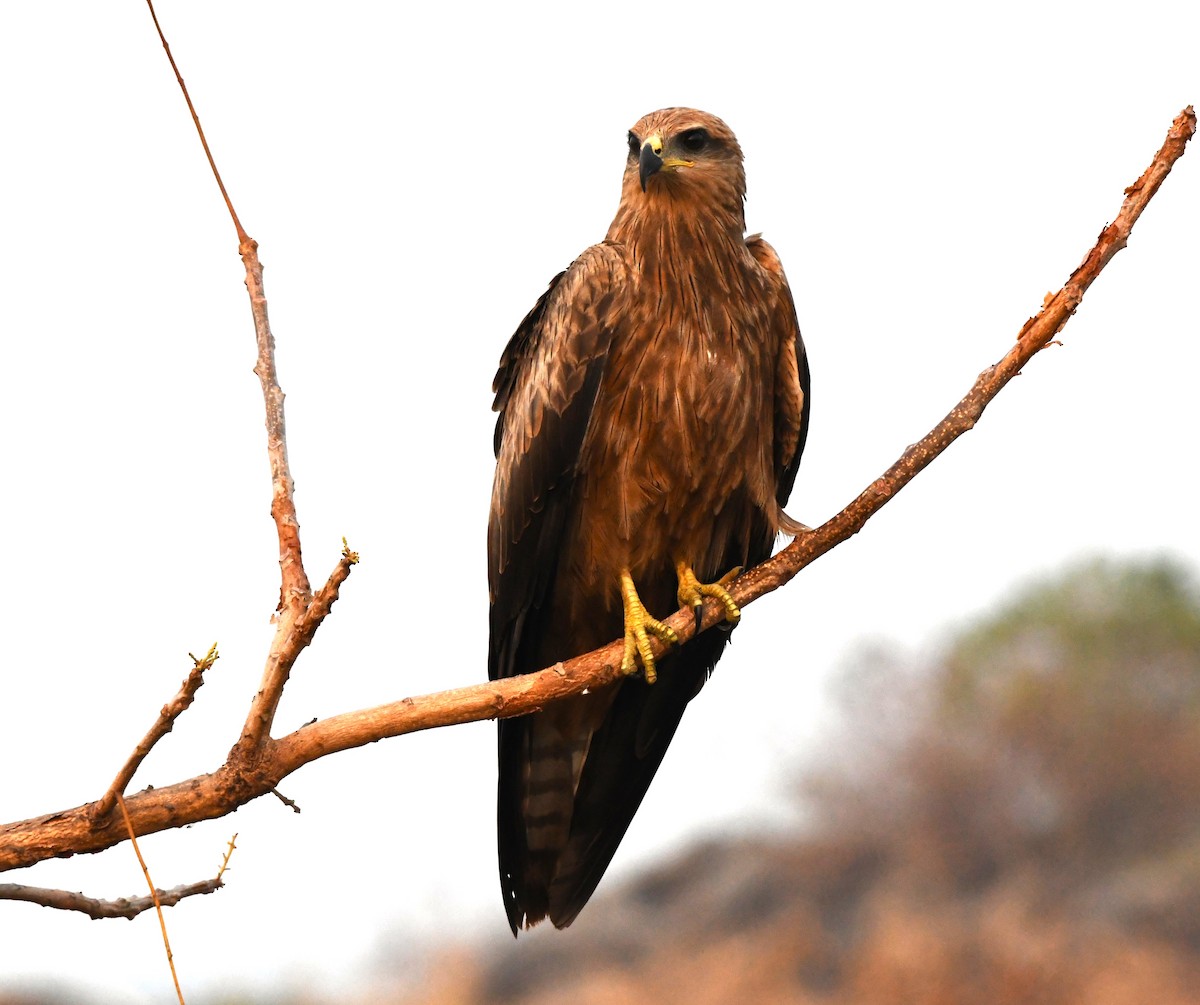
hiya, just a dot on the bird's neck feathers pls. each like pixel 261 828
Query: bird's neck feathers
pixel 690 217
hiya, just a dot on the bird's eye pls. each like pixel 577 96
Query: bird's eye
pixel 694 140
pixel 635 145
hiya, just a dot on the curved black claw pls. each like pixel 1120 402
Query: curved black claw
pixel 692 591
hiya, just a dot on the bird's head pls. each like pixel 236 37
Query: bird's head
pixel 682 153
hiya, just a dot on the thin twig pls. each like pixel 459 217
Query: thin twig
pixel 242 238
pixel 237 782
pixel 162 921
pixel 162 726
pixel 289 803
pixel 123 907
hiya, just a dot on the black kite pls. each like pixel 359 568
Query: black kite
pixel 653 409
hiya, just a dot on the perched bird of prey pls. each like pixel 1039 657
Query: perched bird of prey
pixel 653 408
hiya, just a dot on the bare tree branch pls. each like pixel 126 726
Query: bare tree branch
pixel 255 768
pixel 123 907
pixel 295 592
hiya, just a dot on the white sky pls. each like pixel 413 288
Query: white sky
pixel 414 176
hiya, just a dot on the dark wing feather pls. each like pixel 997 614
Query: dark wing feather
pixel 545 391
pixel 791 377
pixel 514 357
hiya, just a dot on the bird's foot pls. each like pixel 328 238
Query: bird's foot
pixel 692 593
pixel 639 626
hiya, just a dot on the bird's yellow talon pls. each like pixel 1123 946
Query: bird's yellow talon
pixel 692 592
pixel 639 626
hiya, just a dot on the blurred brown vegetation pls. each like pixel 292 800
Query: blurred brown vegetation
pixel 1017 821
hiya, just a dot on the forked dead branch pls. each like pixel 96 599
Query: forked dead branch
pixel 257 761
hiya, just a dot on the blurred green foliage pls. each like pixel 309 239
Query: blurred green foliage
pixel 1063 732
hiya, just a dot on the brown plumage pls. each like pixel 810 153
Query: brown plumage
pixel 653 409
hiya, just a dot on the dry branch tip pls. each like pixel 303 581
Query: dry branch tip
pixel 228 855
pixel 290 803
pixel 103 807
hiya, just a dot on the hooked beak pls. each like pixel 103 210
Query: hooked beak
pixel 650 161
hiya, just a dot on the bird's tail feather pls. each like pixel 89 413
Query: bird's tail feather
pixel 549 796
